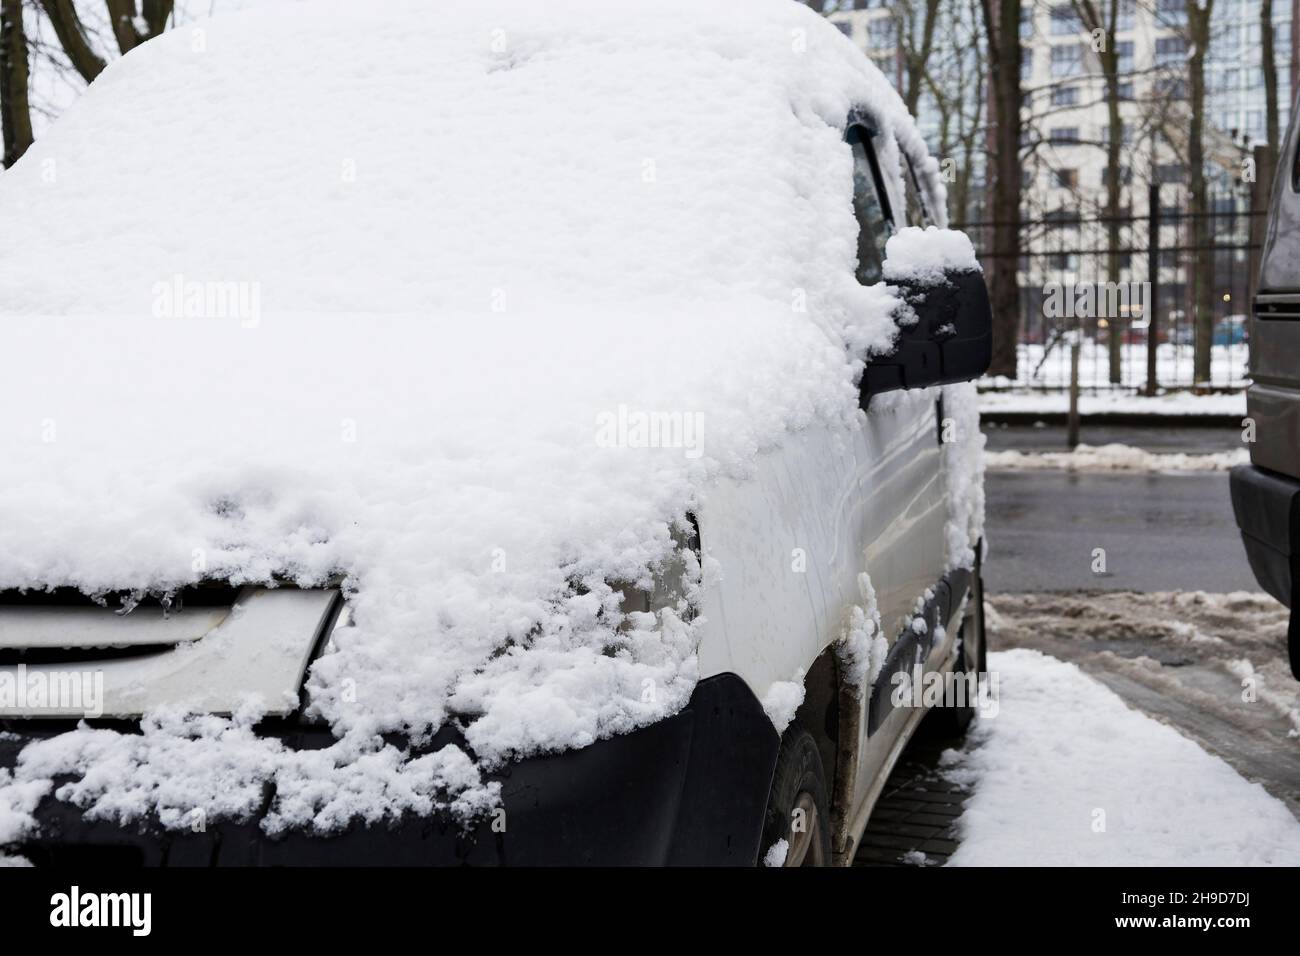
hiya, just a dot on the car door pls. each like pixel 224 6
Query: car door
pixel 903 548
pixel 838 524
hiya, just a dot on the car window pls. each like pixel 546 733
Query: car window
pixel 870 206
pixel 918 214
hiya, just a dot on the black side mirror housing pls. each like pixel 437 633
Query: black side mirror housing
pixel 950 341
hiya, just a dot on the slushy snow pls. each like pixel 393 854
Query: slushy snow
pixel 1115 458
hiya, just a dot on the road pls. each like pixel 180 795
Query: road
pixel 1158 532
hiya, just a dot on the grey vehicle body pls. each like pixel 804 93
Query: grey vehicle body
pixel 1266 493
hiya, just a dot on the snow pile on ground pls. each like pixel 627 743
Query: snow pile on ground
pixel 1067 775
pixel 1173 404
pixel 1240 635
pixel 376 321
pixel 1114 457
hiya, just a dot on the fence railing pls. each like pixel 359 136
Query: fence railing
pixel 1068 287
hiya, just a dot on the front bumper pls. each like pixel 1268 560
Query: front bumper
pixel 689 790
pixel 1267 508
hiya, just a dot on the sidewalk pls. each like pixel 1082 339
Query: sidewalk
pixel 1026 407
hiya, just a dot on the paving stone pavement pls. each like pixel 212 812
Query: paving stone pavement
pixel 916 814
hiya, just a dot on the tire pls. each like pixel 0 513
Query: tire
pixel 798 810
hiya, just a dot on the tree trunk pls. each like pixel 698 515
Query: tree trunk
pixel 1202 264
pixel 15 111
pixel 919 57
pixel 1002 25
pixel 67 27
pixel 1269 65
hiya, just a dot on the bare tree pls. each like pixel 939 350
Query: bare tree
pixel 916 44
pixel 1101 19
pixel 1268 63
pixel 129 24
pixel 15 110
pixel 1198 33
pixel 1002 30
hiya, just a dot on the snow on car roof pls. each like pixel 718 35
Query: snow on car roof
pixel 305 292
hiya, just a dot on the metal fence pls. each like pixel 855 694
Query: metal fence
pixel 1061 255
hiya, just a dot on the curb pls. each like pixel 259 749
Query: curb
pixel 1132 419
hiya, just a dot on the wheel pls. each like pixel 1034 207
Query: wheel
pixel 798 810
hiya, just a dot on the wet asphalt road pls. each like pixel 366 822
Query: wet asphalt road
pixel 1160 532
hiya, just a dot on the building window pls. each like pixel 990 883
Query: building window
pixel 1067 60
pixel 1126 91
pixel 1026 22
pixel 1065 96
pixel 1126 18
pixel 1064 20
pixel 882 33
pixel 1170 51
pixel 1171 87
pixel 1125 50
pixel 1026 64
pixel 1064 134
pixel 1067 178
pixel 1171 12
pixel 1171 173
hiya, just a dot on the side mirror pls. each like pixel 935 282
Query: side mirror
pixel 951 339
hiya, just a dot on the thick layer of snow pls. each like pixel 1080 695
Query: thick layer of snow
pixel 1113 457
pixel 1173 404
pixel 928 254
pixel 1067 775
pixel 265 317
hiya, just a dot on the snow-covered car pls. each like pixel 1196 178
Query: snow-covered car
pixel 1266 493
pixel 524 433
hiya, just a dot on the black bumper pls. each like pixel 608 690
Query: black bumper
pixel 1267 508
pixel 689 790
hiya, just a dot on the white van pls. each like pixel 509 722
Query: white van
pixel 521 433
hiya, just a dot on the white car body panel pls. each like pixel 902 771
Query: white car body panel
pixel 867 500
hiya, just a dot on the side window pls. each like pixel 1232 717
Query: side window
pixel 918 214
pixel 870 206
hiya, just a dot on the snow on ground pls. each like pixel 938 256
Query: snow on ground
pixel 1239 633
pixel 1172 404
pixel 1067 775
pixel 336 322
pixel 1113 458
pixel 1036 367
